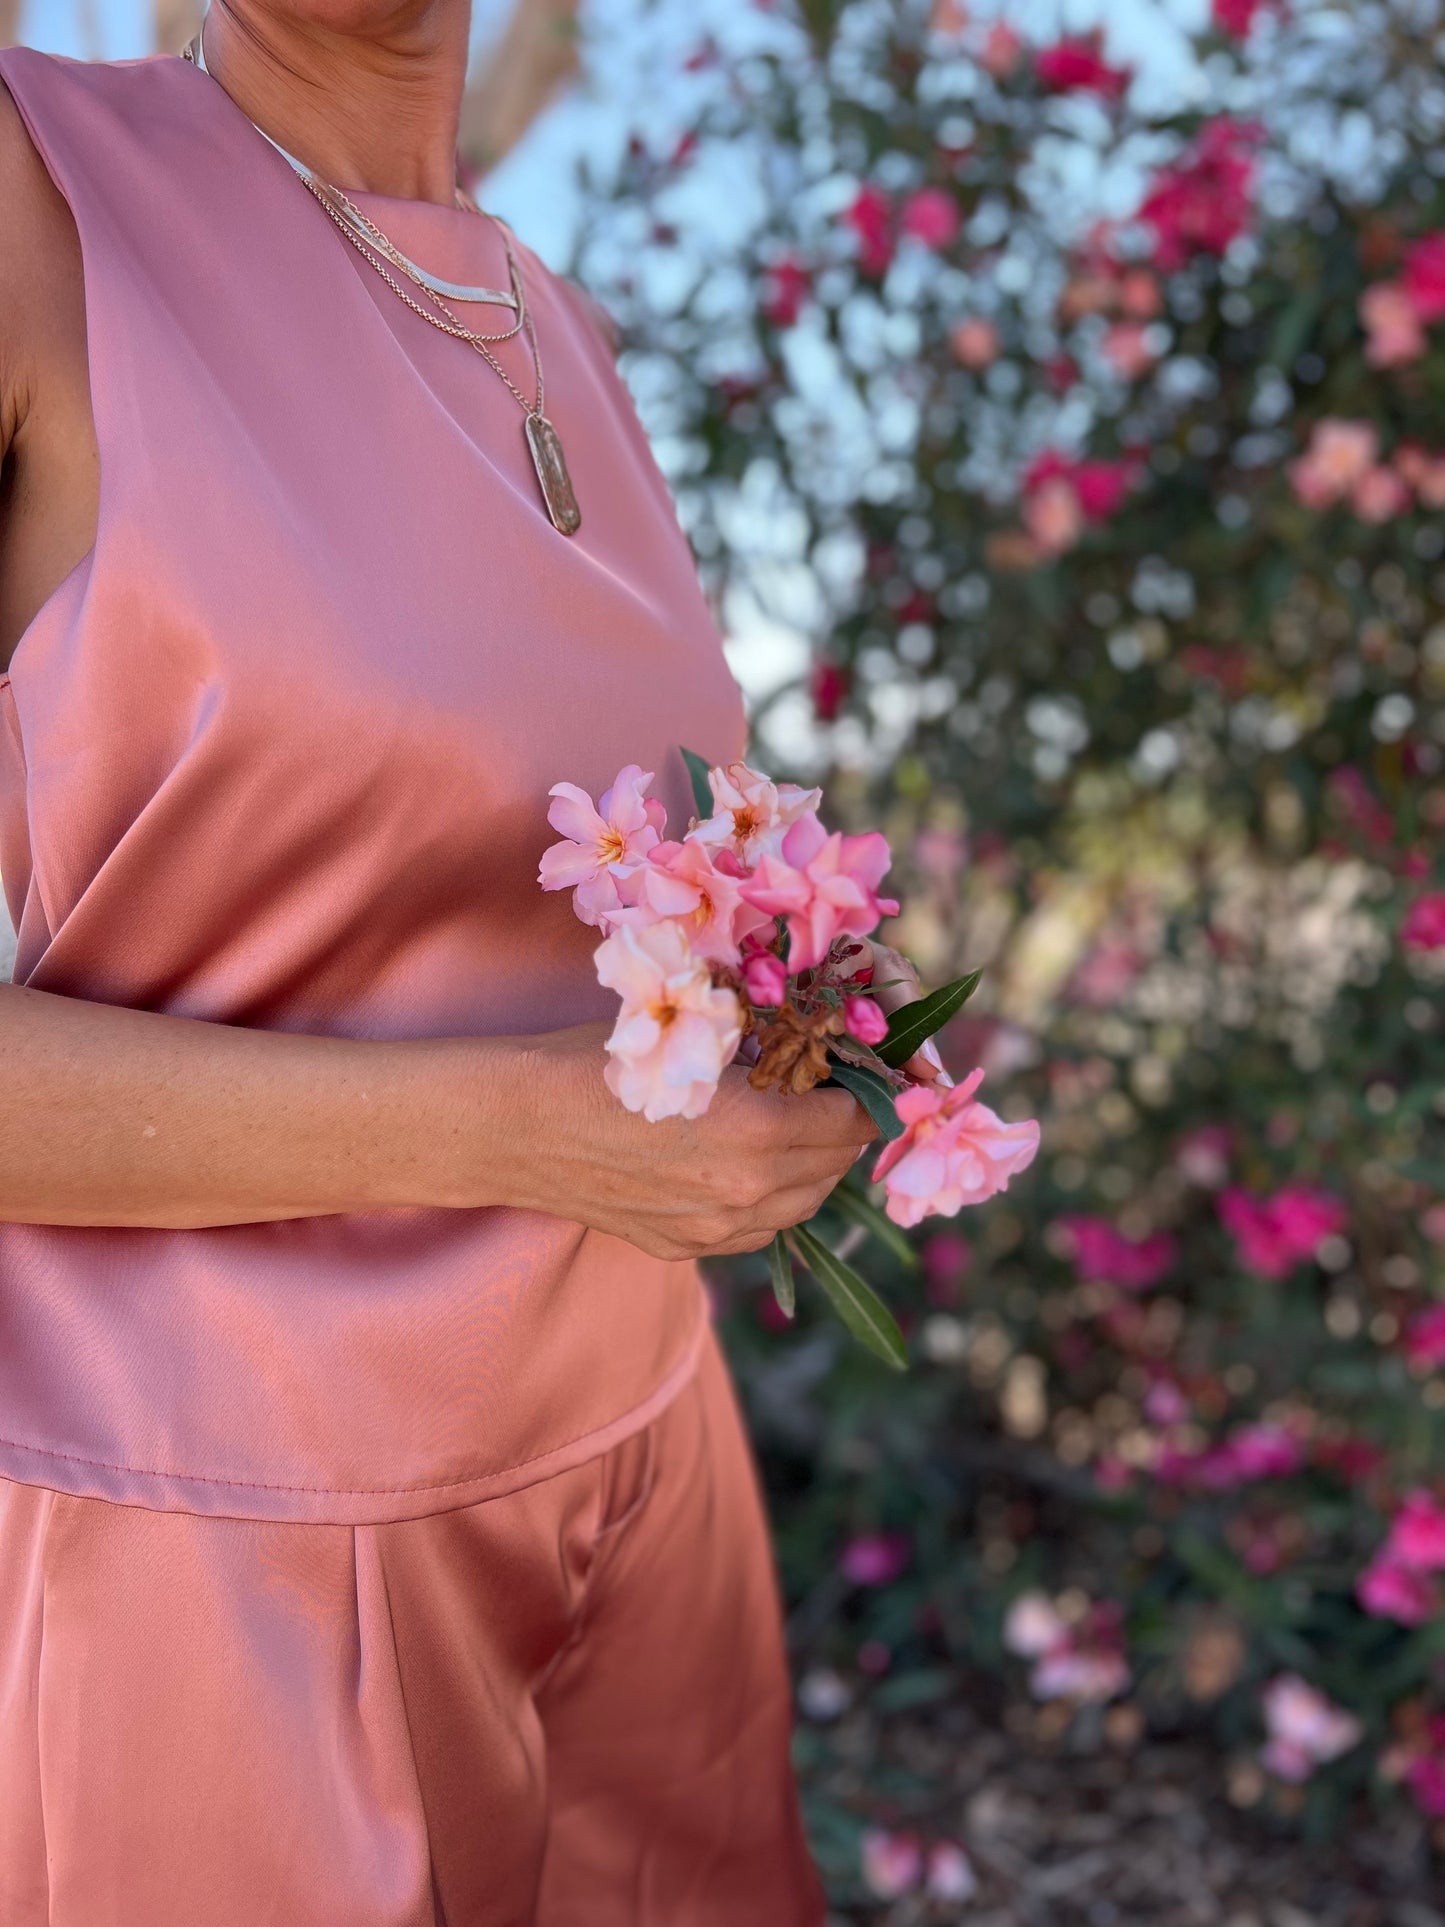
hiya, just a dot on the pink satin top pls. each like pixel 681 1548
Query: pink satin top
pixel 277 754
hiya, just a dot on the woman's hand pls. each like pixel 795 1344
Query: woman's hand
pixel 895 983
pixel 754 1163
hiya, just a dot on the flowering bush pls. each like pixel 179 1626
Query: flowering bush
pixel 1094 442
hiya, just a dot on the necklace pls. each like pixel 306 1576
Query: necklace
pixel 544 444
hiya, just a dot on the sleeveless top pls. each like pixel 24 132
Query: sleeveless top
pixel 277 754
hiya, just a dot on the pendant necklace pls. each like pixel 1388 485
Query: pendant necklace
pixel 544 444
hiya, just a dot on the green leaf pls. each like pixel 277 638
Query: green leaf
pixel 701 789
pixel 780 1269
pixel 863 1211
pixel 857 1304
pixel 871 1091
pixel 915 1023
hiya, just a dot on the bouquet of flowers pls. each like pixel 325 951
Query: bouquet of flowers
pixel 746 937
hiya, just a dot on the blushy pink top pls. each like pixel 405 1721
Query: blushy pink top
pixel 277 754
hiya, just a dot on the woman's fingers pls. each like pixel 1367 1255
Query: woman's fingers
pixel 898 984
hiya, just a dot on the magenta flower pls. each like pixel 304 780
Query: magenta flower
pixel 1425 1339
pixel 1275 1233
pixel 865 1020
pixel 1426 1780
pixel 1238 16
pixel 1424 276
pixel 1203 201
pixel 826 887
pixel 1104 1255
pixel 1075 66
pixel 892 1863
pixel 954 1151
pixel 1387 1590
pixel 1306 1730
pixel 1417 1534
pixel 871 219
pixel 931 216
pixel 786 287
pixel 765 978
pixel 875 1558
pixel 675 1033
pixel 605 844
pixel 1424 924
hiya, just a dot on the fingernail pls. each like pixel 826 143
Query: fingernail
pixel 928 1050
pixel 944 1078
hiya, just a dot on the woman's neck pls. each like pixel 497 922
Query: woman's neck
pixel 372 109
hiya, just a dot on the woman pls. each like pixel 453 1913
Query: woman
pixel 378 1544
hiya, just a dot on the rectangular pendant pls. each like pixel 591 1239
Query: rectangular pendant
pixel 551 466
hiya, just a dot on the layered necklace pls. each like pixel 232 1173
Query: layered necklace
pixel 543 442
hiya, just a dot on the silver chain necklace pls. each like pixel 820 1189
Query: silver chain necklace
pixel 544 444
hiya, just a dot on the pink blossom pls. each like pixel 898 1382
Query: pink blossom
pixel 1054 517
pixel 1425 276
pixel 875 1558
pixel 605 845
pixel 1103 1253
pixel 1165 1404
pixel 931 216
pixel 1306 1730
pixel 974 343
pixel 765 978
pixel 1238 16
pixel 866 1020
pixel 1202 202
pixel 1139 294
pixel 698 886
pixel 826 887
pixel 1128 349
pixel 1275 1233
pixel 752 814
pixel 1101 486
pixel 892 1863
pixel 1417 1534
pixel 1079 1674
pixel 1203 1156
pixel 1379 495
pixel 675 1033
pixel 1426 1780
pixel 1387 1590
pixel 950 1873
pixel 954 1151
pixel 871 219
pixel 1077 65
pixel 948 17
pixel 1002 50
pixel 1264 1452
pixel 1033 1626
pixel 1425 1339
pixel 1392 327
pixel 1424 924
pixel 786 286
pixel 1339 455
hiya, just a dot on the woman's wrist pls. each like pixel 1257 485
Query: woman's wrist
pixel 485 1139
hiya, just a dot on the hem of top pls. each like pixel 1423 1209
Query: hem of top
pixel 206 1496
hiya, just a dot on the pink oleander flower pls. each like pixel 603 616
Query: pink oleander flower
pixel 1306 1730
pixel 1387 1590
pixel 1202 202
pixel 866 1021
pixel 871 219
pixel 948 17
pixel 1054 517
pixel 698 886
pixel 765 978
pixel 1088 1663
pixel 1340 454
pixel 875 1558
pixel 1237 17
pixel 786 287
pixel 974 343
pixel 1274 1234
pixel 1249 1453
pixel 1104 1255
pixel 1203 1156
pixel 675 1033
pixel 1417 1534
pixel 892 1863
pixel 954 1151
pixel 1128 349
pixel 1394 336
pixel 1165 1404
pixel 931 216
pixel 1425 1339
pixel 1424 924
pixel 752 814
pixel 1379 495
pixel 1075 66
pixel 1002 50
pixel 1425 1778
pixel 1033 1626
pixel 950 1873
pixel 1101 486
pixel 826 886
pixel 605 844
pixel 1424 276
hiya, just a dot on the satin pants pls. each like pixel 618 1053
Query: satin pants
pixel 567 1707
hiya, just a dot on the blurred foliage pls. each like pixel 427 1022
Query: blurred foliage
pixel 1160 742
